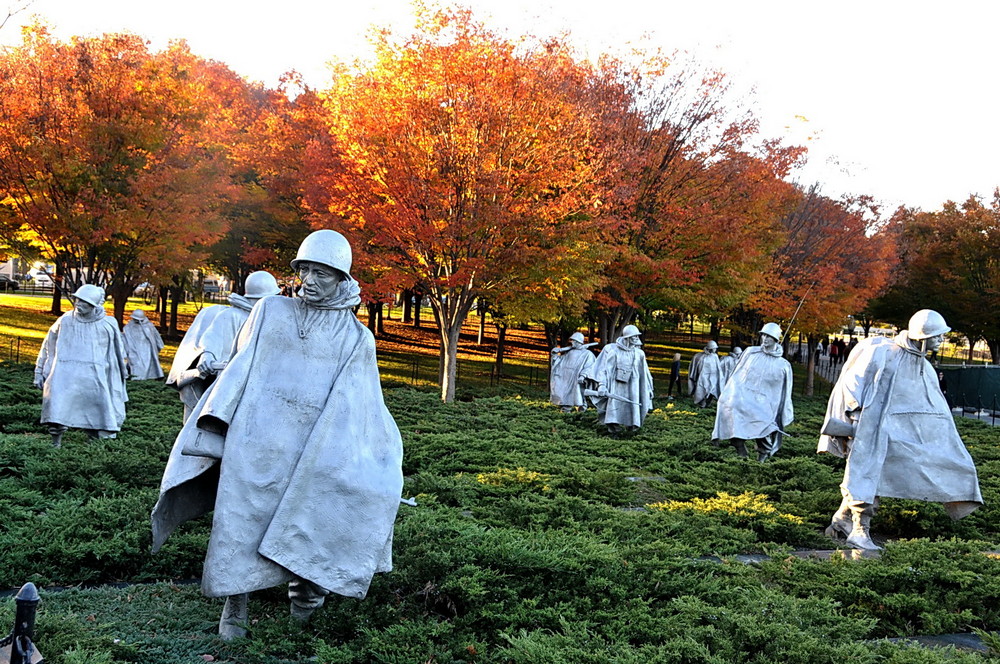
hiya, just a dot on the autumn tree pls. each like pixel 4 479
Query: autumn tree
pixel 834 257
pixel 466 163
pixel 690 194
pixel 952 265
pixel 110 157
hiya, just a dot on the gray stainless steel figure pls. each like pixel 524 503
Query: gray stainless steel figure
pixel 888 417
pixel 567 375
pixel 293 448
pixel 81 370
pixel 208 343
pixel 756 402
pixel 142 347
pixel 705 376
pixel 624 392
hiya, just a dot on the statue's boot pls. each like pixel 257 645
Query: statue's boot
pixel 232 624
pixel 741 447
pixel 860 536
pixel 56 431
pixel 841 522
pixel 305 597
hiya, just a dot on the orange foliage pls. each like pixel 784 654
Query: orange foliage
pixel 833 260
pixel 465 165
pixel 112 158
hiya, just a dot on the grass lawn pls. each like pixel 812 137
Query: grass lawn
pixel 536 539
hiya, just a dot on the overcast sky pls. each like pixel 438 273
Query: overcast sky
pixel 899 98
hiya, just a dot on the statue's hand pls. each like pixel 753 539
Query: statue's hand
pixel 602 391
pixel 205 364
pixel 39 382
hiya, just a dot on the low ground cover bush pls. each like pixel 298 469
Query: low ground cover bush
pixel 537 538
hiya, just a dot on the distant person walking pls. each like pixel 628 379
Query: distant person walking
pixel 675 376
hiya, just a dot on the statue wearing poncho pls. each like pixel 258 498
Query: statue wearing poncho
pixel 569 367
pixel 756 402
pixel 142 347
pixel 625 385
pixel 81 370
pixel 208 343
pixel 308 457
pixel 888 417
pixel 705 376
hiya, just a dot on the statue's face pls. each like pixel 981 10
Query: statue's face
pixel 933 343
pixel 711 350
pixel 319 282
pixel 574 343
pixel 768 342
pixel 83 308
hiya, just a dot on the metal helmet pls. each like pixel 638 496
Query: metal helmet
pixel 737 351
pixel 260 284
pixel 138 314
pixel 771 330
pixel 577 337
pixel 90 294
pixel 925 324
pixel 630 331
pixel 712 345
pixel 326 247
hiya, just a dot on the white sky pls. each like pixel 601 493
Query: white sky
pixel 900 98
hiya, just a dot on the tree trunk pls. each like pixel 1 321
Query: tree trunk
pixel 416 309
pixel 408 305
pixel 379 325
pixel 970 358
pixel 371 316
pixel 161 307
pixel 994 346
pixel 811 343
pixel 451 308
pixel 119 298
pixel 715 330
pixel 501 346
pixel 57 284
pixel 603 322
pixel 175 300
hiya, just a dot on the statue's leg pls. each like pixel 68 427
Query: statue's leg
pixel 305 598
pixel 841 521
pixel 861 516
pixel 232 624
pixel 56 431
pixel 767 446
pixel 740 446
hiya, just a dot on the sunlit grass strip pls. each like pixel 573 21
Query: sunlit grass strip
pixel 747 504
pixel 513 477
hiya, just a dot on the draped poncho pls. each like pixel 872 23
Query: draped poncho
pixel 81 367
pixel 622 370
pixel 757 399
pixel 564 380
pixel 296 452
pixel 142 347
pixel 888 417
pixel 704 377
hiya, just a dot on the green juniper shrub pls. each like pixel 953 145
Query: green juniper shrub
pixel 537 538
